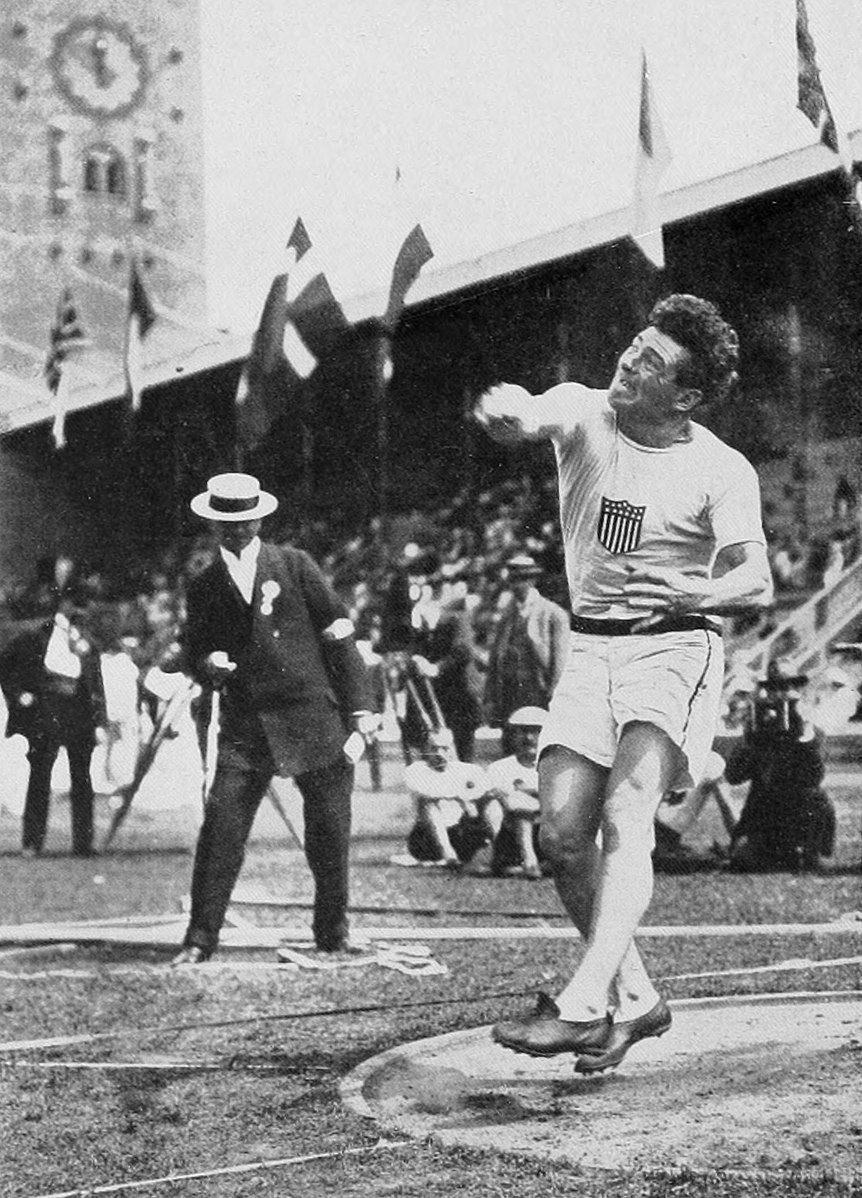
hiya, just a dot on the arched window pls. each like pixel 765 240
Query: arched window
pixel 105 172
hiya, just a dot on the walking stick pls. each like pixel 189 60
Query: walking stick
pixel 168 719
pixel 277 804
pixel 211 749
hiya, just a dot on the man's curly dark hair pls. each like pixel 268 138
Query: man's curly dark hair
pixel 712 344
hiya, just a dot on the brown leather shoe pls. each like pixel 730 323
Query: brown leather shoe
pixel 192 954
pixel 546 1035
pixel 622 1036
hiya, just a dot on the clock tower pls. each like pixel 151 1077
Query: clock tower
pixel 102 168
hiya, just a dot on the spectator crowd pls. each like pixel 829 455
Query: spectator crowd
pixel 460 613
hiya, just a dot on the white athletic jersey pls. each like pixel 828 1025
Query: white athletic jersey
pixel 509 775
pixel 460 780
pixel 518 783
pixel 625 504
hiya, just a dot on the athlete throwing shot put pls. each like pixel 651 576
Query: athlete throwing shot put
pixel 662 529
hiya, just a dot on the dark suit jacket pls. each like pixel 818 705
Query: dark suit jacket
pixel 539 632
pixel 22 669
pixel 450 645
pixel 302 686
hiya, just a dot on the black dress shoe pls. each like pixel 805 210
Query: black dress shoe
pixel 546 1035
pixel 622 1036
pixel 192 954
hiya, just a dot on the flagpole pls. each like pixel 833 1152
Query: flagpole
pixel 799 458
pixel 382 367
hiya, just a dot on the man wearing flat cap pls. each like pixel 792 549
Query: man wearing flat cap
pixel 265 629
pixel 528 648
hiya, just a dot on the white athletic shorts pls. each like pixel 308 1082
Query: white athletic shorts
pixel 670 679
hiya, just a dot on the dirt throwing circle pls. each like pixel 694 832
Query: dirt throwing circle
pixel 748 1085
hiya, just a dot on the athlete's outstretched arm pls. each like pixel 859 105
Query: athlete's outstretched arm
pixel 510 414
pixel 741 579
pixel 501 412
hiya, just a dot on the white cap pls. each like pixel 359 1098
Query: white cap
pixel 528 717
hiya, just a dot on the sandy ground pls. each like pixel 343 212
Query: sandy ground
pixel 752 1085
pixel 748 1085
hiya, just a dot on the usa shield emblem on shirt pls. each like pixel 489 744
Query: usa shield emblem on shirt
pixel 620 524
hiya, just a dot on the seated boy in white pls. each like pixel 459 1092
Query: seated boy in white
pixel 445 790
pixel 513 782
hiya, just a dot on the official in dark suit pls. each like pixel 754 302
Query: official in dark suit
pixel 528 650
pixel 264 627
pixel 52 685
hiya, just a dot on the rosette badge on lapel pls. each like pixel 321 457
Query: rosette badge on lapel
pixel 270 590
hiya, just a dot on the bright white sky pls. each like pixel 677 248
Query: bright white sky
pixel 507 119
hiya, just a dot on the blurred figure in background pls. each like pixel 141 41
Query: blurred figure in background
pixel 449 827
pixel 52 685
pixel 788 821
pixel 444 652
pixel 528 648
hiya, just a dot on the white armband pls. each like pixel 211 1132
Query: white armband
pixel 338 630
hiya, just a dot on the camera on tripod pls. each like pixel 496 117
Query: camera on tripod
pixel 775 707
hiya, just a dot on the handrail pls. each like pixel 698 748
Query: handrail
pixel 808 628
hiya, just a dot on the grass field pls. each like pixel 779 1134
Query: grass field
pixel 233 1069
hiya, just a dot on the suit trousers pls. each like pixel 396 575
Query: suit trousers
pixel 243 774
pixel 61 729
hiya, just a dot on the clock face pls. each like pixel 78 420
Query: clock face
pixel 99 67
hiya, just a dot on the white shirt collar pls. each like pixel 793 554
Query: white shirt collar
pixel 246 557
pixel 243 567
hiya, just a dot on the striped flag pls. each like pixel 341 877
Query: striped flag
pixel 67 334
pixel 140 319
pixel 653 159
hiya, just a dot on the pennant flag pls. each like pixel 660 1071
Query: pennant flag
pixel 414 253
pixel 140 319
pixel 268 345
pixel 299 243
pixel 318 320
pixel 67 335
pixel 811 97
pixel 294 332
pixel 653 159
pixel 812 102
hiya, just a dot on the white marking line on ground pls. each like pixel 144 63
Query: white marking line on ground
pixel 227 1170
pixel 792 963
pixel 777 967
pixel 121 1033
pixel 702 1000
pixel 253 937
pixel 146 971
pixel 197 1066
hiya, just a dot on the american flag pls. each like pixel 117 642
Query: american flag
pixel 620 524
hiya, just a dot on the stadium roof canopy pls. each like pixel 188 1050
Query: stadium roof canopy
pixel 181 350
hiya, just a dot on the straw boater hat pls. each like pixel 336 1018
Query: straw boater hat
pixel 233 497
